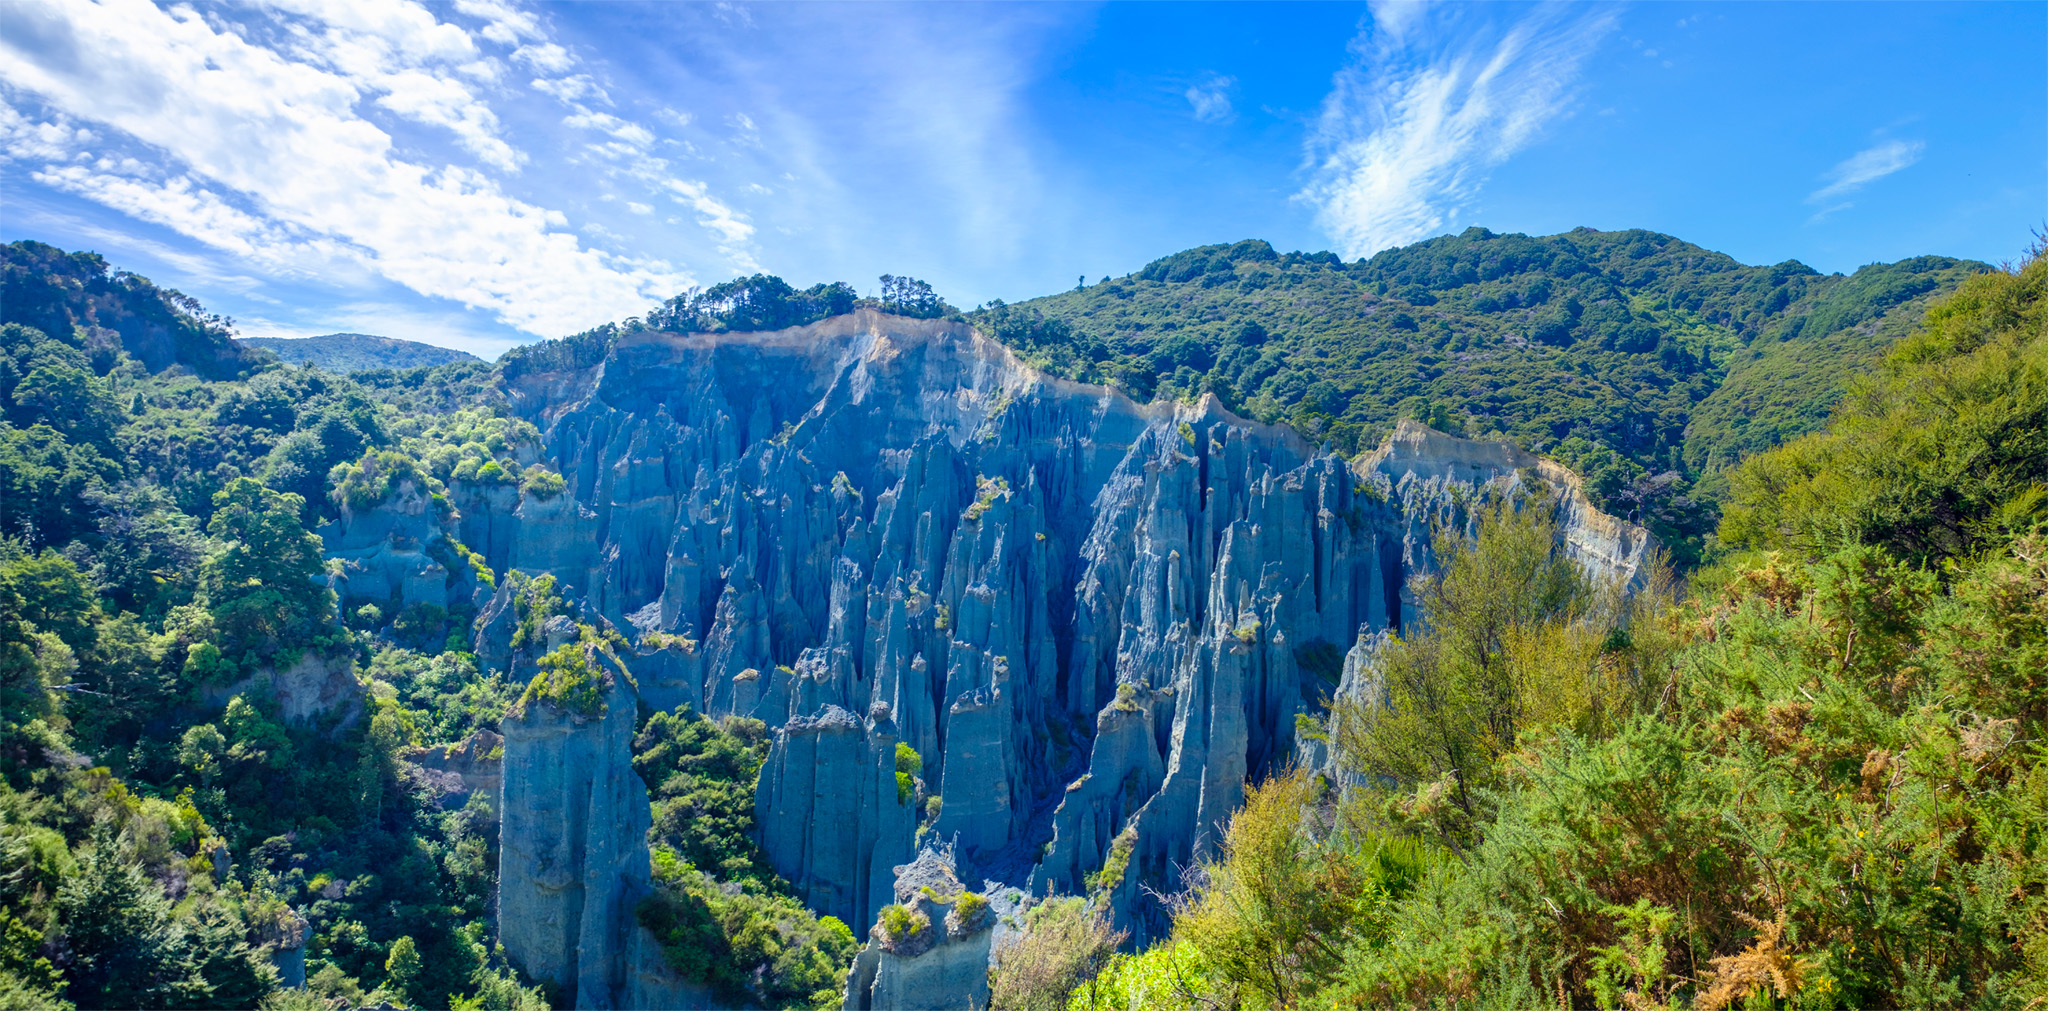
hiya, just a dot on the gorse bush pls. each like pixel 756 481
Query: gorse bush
pixel 1297 886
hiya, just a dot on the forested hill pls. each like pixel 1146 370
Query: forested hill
pixel 357 352
pixel 1645 362
pixel 76 298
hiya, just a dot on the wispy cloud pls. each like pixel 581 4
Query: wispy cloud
pixel 1423 112
pixel 1865 167
pixel 260 140
pixel 1211 98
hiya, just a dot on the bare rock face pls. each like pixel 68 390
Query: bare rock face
pixel 574 859
pixel 1091 619
pixel 831 814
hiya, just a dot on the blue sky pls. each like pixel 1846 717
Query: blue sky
pixel 485 173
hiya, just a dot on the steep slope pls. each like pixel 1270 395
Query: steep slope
pixel 357 352
pixel 1087 617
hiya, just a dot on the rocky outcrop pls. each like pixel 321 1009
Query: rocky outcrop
pixel 472 765
pixel 1092 620
pixel 942 960
pixel 317 687
pixel 831 815
pixel 399 551
pixel 574 863
pixel 1432 474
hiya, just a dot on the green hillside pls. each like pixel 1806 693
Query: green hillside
pixel 1644 361
pixel 357 352
pixel 78 299
pixel 1817 783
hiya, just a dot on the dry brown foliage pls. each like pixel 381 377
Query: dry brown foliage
pixel 1765 963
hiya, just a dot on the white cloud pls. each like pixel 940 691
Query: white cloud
pixel 1417 120
pixel 397 47
pixel 439 101
pixel 1865 167
pixel 177 203
pixel 546 57
pixel 22 140
pixel 639 208
pixel 271 155
pixel 632 133
pixel 572 89
pixel 1211 99
pixel 505 24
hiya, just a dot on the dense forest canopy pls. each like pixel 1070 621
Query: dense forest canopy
pixel 1814 777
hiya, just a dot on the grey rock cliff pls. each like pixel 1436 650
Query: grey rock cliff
pixel 1092 619
pixel 574 859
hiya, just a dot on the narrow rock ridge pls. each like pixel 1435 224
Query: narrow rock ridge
pixel 1090 618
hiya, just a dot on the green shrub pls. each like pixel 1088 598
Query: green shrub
pixel 542 483
pixel 970 910
pixel 534 601
pixel 370 480
pixel 1173 976
pixel 908 765
pixel 1115 862
pixel 751 947
pixel 1065 943
pixel 569 680
pixel 1126 697
pixel 987 491
pixel 901 923
pixel 701 777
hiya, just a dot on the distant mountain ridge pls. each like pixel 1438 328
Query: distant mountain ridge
pixel 357 352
